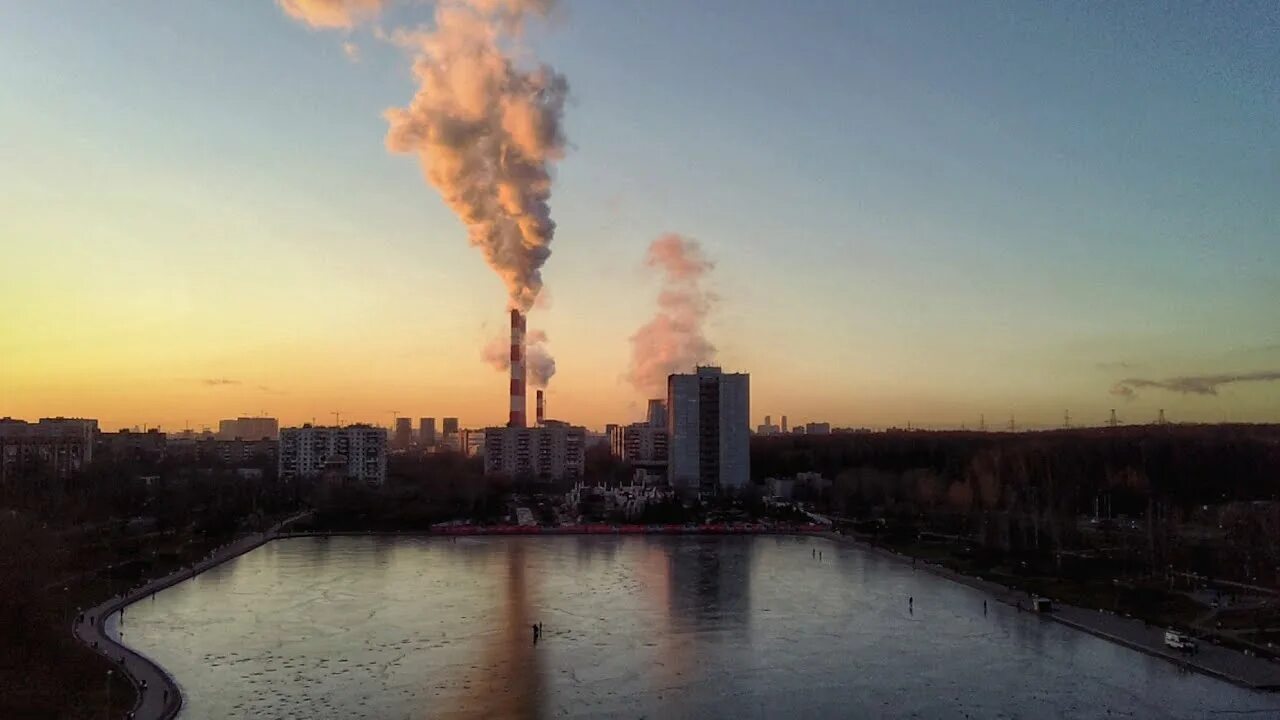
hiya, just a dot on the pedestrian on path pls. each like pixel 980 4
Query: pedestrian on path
pixel 984 607
pixel 911 605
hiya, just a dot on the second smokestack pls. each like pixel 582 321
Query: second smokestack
pixel 517 418
pixel 541 409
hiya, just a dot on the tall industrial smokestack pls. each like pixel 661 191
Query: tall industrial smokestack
pixel 517 370
pixel 541 409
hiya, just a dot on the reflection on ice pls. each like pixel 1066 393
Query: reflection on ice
pixel 634 626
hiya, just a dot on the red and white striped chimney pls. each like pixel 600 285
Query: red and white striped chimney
pixel 541 409
pixel 517 370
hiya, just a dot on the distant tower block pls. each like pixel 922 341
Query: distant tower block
pixel 657 414
pixel 517 418
pixel 784 424
pixel 1161 421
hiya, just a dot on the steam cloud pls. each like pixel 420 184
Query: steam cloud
pixel 487 132
pixel 331 13
pixel 538 363
pixel 673 340
pixel 1191 384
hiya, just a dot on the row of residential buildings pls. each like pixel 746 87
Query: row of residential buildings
pixel 451 437
pixel 62 447
pixel 695 439
pixel 813 428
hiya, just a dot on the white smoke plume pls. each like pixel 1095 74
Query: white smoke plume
pixel 538 363
pixel 487 133
pixel 673 340
pixel 331 13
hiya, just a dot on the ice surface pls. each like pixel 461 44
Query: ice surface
pixel 639 627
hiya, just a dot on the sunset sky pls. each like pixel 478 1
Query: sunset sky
pixel 917 212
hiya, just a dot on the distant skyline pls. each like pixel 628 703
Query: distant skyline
pixel 917 212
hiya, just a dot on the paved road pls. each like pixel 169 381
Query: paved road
pixel 158 694
pixel 1223 663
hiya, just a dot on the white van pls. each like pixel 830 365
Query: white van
pixel 1179 641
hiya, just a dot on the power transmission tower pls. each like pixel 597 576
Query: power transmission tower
pixel 1113 422
pixel 337 417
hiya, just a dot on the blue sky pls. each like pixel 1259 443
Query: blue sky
pixel 919 211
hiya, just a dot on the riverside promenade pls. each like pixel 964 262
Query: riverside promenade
pixel 158 695
pixel 1223 663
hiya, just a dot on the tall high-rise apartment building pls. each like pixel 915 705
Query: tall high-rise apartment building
pixel 404 433
pixel 709 430
pixel 614 433
pixel 657 415
pixel 427 432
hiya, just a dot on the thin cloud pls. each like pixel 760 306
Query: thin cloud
pixel 352 51
pixel 1118 365
pixel 1191 384
pixel 1263 349
pixel 331 13
pixel 219 382
pixel 1124 391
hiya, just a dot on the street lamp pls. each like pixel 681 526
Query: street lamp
pixel 108 712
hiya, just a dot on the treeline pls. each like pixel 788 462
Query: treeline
pixel 421 490
pixel 1028 492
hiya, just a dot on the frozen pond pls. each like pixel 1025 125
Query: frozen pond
pixel 639 627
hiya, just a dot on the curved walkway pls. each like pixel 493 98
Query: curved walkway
pixel 158 694
pixel 1220 662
